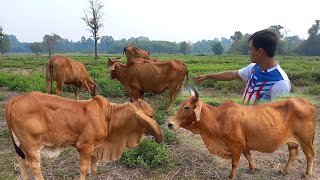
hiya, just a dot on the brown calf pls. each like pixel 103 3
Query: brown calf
pixel 64 70
pixel 98 129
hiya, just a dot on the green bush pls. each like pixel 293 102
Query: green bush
pixel 148 154
pixel 169 136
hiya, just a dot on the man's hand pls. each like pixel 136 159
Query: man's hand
pixel 200 78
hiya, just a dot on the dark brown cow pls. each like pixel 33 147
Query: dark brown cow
pixel 64 70
pixel 133 52
pixel 98 129
pixel 231 129
pixel 156 77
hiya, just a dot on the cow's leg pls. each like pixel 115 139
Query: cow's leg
pixel 293 152
pixel 247 154
pixel 34 158
pixel 308 150
pixel 59 87
pixel 172 94
pixel 94 164
pixel 141 94
pixel 85 157
pixel 23 168
pixel 48 87
pixel 235 155
pixel 75 90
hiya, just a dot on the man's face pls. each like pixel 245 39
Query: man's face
pixel 254 53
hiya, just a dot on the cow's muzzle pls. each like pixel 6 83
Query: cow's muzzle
pixel 170 125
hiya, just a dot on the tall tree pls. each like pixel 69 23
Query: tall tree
pixel 217 48
pixel 312 44
pixel 185 48
pixel 36 47
pixel 49 43
pixel 4 42
pixel 94 22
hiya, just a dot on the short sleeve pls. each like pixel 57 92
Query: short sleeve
pixel 245 72
pixel 279 89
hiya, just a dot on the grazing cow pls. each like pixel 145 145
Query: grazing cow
pixel 64 70
pixel 231 129
pixel 133 52
pixel 98 129
pixel 156 77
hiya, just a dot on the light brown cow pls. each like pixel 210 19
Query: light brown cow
pixel 98 129
pixel 156 77
pixel 231 129
pixel 133 52
pixel 64 70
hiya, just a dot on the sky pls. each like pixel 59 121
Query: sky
pixel 168 20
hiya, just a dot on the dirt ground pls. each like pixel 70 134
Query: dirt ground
pixel 192 160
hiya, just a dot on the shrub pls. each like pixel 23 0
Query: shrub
pixel 148 154
pixel 169 136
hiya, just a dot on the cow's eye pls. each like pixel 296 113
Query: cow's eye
pixel 186 108
pixel 141 104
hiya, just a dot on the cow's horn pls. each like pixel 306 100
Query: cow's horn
pixel 196 93
pixel 110 59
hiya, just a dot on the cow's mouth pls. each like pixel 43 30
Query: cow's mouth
pixel 172 126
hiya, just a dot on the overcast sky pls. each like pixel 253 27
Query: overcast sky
pixel 170 20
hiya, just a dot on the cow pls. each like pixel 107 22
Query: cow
pixel 98 129
pixel 133 52
pixel 137 78
pixel 231 129
pixel 64 70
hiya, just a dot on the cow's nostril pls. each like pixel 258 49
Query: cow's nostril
pixel 170 125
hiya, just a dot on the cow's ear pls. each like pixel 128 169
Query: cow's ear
pixel 197 110
pixel 150 124
pixel 111 68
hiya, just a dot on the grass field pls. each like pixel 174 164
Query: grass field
pixel 184 155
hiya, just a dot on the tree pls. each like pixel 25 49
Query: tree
pixel 235 42
pixel 4 42
pixel 94 22
pixel 36 47
pixel 185 48
pixel 217 48
pixel 49 43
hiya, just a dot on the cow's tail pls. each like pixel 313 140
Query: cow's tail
pixel 50 66
pixel 8 117
pixel 186 76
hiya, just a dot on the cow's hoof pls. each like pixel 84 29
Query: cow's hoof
pixel 283 172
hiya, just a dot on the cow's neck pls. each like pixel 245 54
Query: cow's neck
pixel 210 131
pixel 121 75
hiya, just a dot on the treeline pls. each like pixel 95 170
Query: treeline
pixel 237 44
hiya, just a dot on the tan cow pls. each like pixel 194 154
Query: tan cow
pixel 231 129
pixel 98 129
pixel 133 52
pixel 156 77
pixel 64 70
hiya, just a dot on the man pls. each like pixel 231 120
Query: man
pixel 265 78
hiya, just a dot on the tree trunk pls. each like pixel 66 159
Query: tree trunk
pixel 95 51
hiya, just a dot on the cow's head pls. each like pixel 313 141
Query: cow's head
pixel 93 88
pixel 188 113
pixel 112 65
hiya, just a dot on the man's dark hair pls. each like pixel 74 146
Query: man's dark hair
pixel 265 39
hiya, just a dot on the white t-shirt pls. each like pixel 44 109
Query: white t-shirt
pixel 264 85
